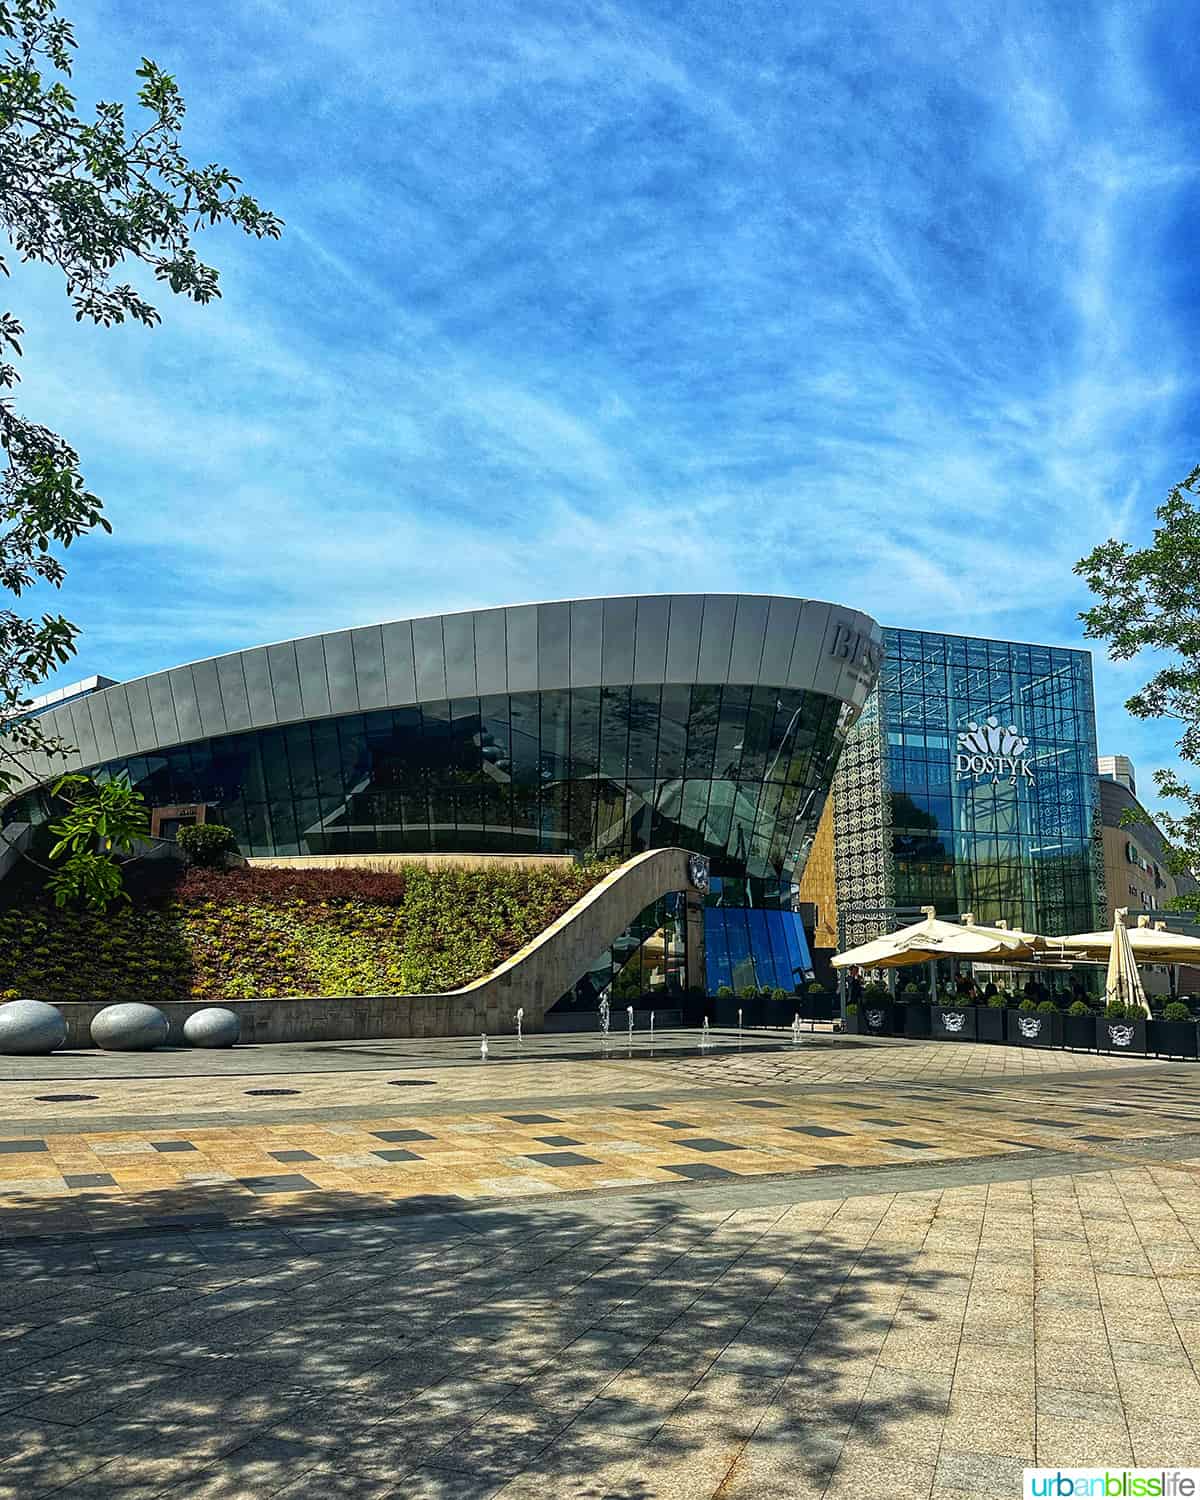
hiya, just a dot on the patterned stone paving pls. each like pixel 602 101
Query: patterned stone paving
pixel 903 1268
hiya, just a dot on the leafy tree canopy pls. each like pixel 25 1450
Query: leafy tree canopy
pixel 86 195
pixel 1149 599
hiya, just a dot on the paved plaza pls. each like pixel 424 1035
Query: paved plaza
pixel 755 1270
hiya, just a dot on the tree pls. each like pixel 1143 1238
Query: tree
pixel 85 196
pixel 1150 600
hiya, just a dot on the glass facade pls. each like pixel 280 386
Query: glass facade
pixel 984 769
pixel 737 772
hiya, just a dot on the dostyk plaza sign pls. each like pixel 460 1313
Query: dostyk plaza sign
pixel 994 751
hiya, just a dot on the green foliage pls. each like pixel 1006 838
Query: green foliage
pixel 852 1008
pixel 876 991
pixel 815 987
pixel 912 988
pixel 1047 1008
pixel 1028 1003
pixel 1176 1010
pixel 238 934
pixel 102 819
pixel 748 992
pixel 1148 601
pixel 207 844
pixel 999 1000
pixel 84 196
pixel 1079 1008
pixel 724 993
pixel 1117 1010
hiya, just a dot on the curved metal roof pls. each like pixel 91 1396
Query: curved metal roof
pixel 644 638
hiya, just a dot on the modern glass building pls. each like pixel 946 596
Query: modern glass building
pixel 969 784
pixel 588 727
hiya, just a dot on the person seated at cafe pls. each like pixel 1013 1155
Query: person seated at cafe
pixel 990 989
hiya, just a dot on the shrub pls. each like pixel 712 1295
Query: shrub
pixel 1079 1008
pixel 748 992
pixel 852 1008
pixel 1028 1003
pixel 912 988
pixel 1176 1010
pixel 779 995
pixel 815 987
pixel 999 1000
pixel 1048 1008
pixel 876 991
pixel 1116 1010
pixel 724 993
pixel 207 844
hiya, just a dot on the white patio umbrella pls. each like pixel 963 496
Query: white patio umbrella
pixel 1123 981
pixel 1149 944
pixel 933 938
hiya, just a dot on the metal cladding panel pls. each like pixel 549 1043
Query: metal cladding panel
pixel 458 638
pixel 716 638
pixel 520 624
pixel 187 706
pixel 783 615
pixel 429 659
pixel 102 731
pixel 258 687
pixel 235 696
pixel 491 652
pixel 683 637
pixel 650 638
pixel 122 723
pixel 314 680
pixel 339 671
pixel 399 670
pixel 208 697
pixel 81 734
pixel 831 656
pixel 285 682
pixel 620 630
pixel 367 645
pixel 587 641
pixel 144 736
pixel 162 708
pixel 554 645
pixel 749 634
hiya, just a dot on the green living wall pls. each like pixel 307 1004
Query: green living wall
pixel 244 933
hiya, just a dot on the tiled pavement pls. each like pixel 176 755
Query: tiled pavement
pixel 916 1280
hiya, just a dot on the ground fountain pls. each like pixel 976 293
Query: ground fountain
pixel 604 1017
pixel 629 1012
pixel 520 1019
pixel 704 1036
pixel 483 1046
pixel 796 1029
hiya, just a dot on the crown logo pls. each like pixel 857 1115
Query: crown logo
pixel 992 738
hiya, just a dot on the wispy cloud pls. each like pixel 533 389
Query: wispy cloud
pixel 573 299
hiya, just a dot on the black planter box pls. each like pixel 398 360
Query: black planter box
pixel 877 1017
pixel 780 1012
pixel 1120 1036
pixel 916 1019
pixel 822 1007
pixel 1079 1031
pixel 953 1023
pixel 989 1023
pixel 1031 1028
pixel 852 1019
pixel 724 1011
pixel 1172 1038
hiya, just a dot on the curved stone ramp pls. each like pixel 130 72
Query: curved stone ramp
pixel 534 978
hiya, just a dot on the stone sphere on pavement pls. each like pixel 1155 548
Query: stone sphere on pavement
pixel 212 1027
pixel 29 1027
pixel 129 1027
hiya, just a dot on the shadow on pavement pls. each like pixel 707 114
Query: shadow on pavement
pixel 630 1354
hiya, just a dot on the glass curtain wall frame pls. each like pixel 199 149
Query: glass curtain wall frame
pixel 1024 852
pixel 736 772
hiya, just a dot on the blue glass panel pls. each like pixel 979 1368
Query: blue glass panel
pixel 760 950
pixel 716 951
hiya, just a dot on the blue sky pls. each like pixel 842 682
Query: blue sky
pixel 889 308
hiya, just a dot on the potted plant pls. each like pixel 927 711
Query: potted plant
pixel 1122 1028
pixel 953 1018
pixel 875 1013
pixel 989 1018
pixel 1175 1033
pixel 1031 1026
pixel 725 1007
pixel 1079 1025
